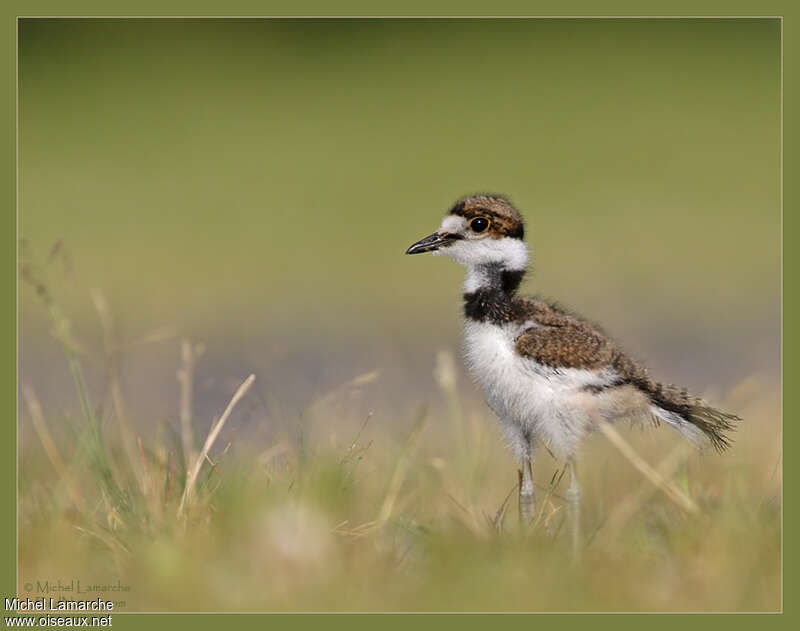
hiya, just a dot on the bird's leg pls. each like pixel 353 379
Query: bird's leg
pixel 527 500
pixel 574 509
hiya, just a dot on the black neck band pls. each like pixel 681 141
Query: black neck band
pixel 495 300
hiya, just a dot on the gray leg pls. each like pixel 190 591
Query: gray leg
pixel 527 501
pixel 522 445
pixel 574 509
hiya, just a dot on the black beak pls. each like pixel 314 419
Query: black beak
pixel 431 243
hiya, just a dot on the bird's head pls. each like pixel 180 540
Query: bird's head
pixel 479 230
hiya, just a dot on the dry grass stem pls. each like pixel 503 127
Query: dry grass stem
pixel 398 476
pixel 558 475
pixel 170 477
pixel 629 506
pixel 147 481
pixel 110 345
pixel 656 478
pixel 114 372
pixel 500 516
pixel 49 445
pixel 351 386
pixel 212 436
pixel 354 443
pixel 189 355
pixel 161 334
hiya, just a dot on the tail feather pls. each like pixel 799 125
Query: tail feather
pixel 689 431
pixel 692 416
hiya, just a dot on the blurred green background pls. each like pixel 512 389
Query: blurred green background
pixel 254 183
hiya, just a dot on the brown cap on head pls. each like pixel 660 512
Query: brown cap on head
pixel 505 220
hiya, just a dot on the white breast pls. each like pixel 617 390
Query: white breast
pixel 529 398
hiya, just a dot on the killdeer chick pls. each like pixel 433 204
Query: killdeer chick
pixel 549 375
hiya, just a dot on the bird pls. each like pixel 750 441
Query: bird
pixel 549 375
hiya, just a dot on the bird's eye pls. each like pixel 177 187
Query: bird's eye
pixel 479 224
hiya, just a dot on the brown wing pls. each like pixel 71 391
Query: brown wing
pixel 563 339
pixel 568 346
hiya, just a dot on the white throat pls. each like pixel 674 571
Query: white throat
pixel 478 276
pixel 508 253
pixel 485 258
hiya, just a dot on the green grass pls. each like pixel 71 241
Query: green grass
pixel 394 514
